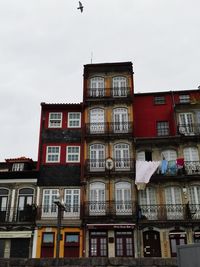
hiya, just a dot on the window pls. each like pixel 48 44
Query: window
pixel 144 155
pixel 97 199
pixel 48 207
pixel 119 86
pixel 191 157
pixel 25 200
pixel 169 154
pixel 159 100
pixel 53 154
pixel 96 87
pixel 194 201
pixel 148 203
pixel 97 124
pixel 186 123
pixel 122 157
pixel 3 204
pixel 162 128
pixel 16 167
pixel 184 99
pixel 72 202
pixel 97 157
pixel 120 120
pixel 123 198
pixel 74 119
pixel 73 153
pixel 55 120
pixel 173 200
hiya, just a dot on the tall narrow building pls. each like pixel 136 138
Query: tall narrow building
pixel 108 177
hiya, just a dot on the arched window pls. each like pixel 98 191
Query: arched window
pixel 119 86
pixel 122 156
pixel 169 154
pixel 97 203
pixel 97 124
pixel 97 157
pixel 123 198
pixel 97 87
pixel 25 200
pixel 120 120
pixel 194 201
pixel 3 199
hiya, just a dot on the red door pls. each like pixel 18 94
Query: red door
pixel 72 245
pixel 124 244
pixel 47 246
pixel 98 244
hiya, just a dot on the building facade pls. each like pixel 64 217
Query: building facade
pixel 167 129
pixel 59 231
pixel 18 190
pixel 108 177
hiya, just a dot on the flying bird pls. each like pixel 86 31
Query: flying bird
pixel 80 6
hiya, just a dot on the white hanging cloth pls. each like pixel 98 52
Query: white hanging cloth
pixel 144 171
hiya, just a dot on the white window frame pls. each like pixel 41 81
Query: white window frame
pixel 123 198
pixel 72 154
pixel 97 86
pixel 122 156
pixel 147 198
pixel 97 157
pixel 184 98
pixel 97 198
pixel 49 209
pixel 72 202
pixel 16 167
pixel 74 122
pixel 55 122
pixel 52 154
pixel 119 84
pixel 173 197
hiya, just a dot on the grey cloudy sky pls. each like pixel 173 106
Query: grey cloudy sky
pixel 45 43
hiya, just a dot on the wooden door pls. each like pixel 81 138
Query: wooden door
pixel 151 243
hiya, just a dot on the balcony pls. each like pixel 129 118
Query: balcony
pixel 27 214
pixel 169 212
pixel 108 93
pixel 189 168
pixel 101 128
pixel 119 165
pixel 106 208
pixel 189 129
pixel 50 212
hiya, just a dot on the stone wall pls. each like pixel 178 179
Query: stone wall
pixel 89 262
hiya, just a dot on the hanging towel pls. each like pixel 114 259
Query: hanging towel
pixel 144 171
pixel 164 165
pixel 180 163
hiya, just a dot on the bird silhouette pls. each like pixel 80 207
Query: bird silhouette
pixel 80 6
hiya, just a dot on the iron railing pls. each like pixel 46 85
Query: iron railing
pixel 189 168
pixel 108 92
pixel 108 208
pixel 102 128
pixel 11 215
pixel 120 164
pixel 170 212
pixel 51 211
pixel 189 129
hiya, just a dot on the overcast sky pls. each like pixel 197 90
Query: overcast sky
pixel 45 43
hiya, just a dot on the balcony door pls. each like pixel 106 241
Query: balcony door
pixel 186 122
pixel 25 200
pixel 120 119
pixel 148 203
pixel 97 199
pixel 122 156
pixel 192 163
pixel 49 209
pixel 119 86
pixel 97 157
pixel 174 206
pixel 97 121
pixel 3 203
pixel 123 198
pixel 194 201
pixel 97 87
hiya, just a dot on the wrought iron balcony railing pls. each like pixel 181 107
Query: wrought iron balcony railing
pixel 106 208
pixel 102 128
pixel 108 92
pixel 51 211
pixel 189 168
pixel 26 214
pixel 120 164
pixel 189 129
pixel 170 212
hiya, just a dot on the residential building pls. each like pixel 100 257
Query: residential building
pixel 167 129
pixel 108 177
pixel 59 162
pixel 18 189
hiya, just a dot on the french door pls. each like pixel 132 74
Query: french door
pixel 97 121
pixel 123 198
pixel 120 117
pixel 148 203
pixel 97 157
pixel 119 86
pixel 97 199
pixel 122 157
pixel 98 244
pixel 124 244
pixel 25 200
pixel 174 206
pixel 186 122
pixel 194 201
